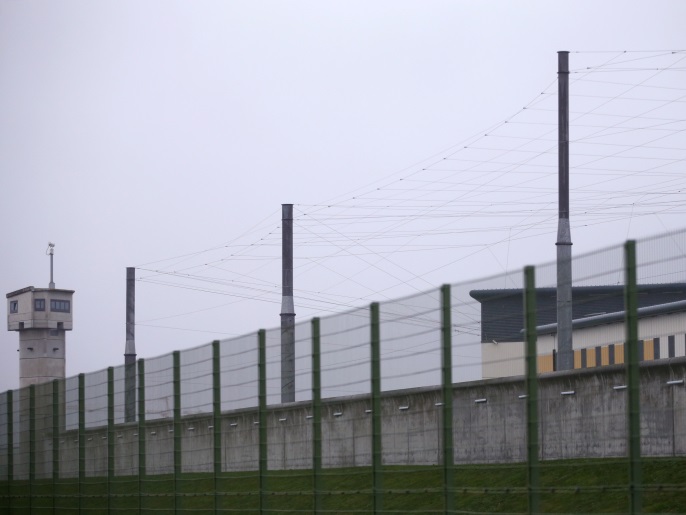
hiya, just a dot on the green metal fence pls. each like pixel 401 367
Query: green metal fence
pixel 447 401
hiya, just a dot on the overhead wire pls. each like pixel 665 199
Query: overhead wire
pixel 402 204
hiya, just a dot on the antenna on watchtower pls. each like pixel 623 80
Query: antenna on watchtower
pixel 50 252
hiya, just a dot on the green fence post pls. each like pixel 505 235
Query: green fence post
pixel 447 408
pixel 32 443
pixel 262 402
pixel 216 420
pixel 110 436
pixel 377 472
pixel 82 438
pixel 316 417
pixel 176 356
pixel 10 446
pixel 531 356
pixel 55 440
pixel 632 375
pixel 141 431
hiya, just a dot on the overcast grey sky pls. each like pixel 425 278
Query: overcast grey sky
pixel 132 132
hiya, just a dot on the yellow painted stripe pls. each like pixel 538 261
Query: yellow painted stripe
pixel 590 357
pixel 648 350
pixel 619 353
pixel 545 363
pixel 604 356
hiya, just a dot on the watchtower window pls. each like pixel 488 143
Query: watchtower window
pixel 39 304
pixel 61 306
pixel 14 306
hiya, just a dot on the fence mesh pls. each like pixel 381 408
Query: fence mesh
pixel 464 399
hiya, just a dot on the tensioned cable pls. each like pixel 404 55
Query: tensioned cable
pixel 487 133
pixel 366 201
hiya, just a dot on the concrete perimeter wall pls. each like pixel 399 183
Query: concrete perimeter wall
pixel 590 422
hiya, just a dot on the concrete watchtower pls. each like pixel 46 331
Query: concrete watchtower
pixel 42 316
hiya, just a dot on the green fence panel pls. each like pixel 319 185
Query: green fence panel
pixel 176 356
pixel 10 447
pixel 82 438
pixel 377 451
pixel 316 417
pixel 632 375
pixel 216 421
pixel 141 432
pixel 55 439
pixel 262 400
pixel 531 354
pixel 110 436
pixel 447 400
pixel 526 438
pixel 32 443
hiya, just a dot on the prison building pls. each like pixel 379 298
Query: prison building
pixel 598 331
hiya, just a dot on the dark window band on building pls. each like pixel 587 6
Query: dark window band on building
pixel 14 306
pixel 39 304
pixel 671 346
pixel 61 306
